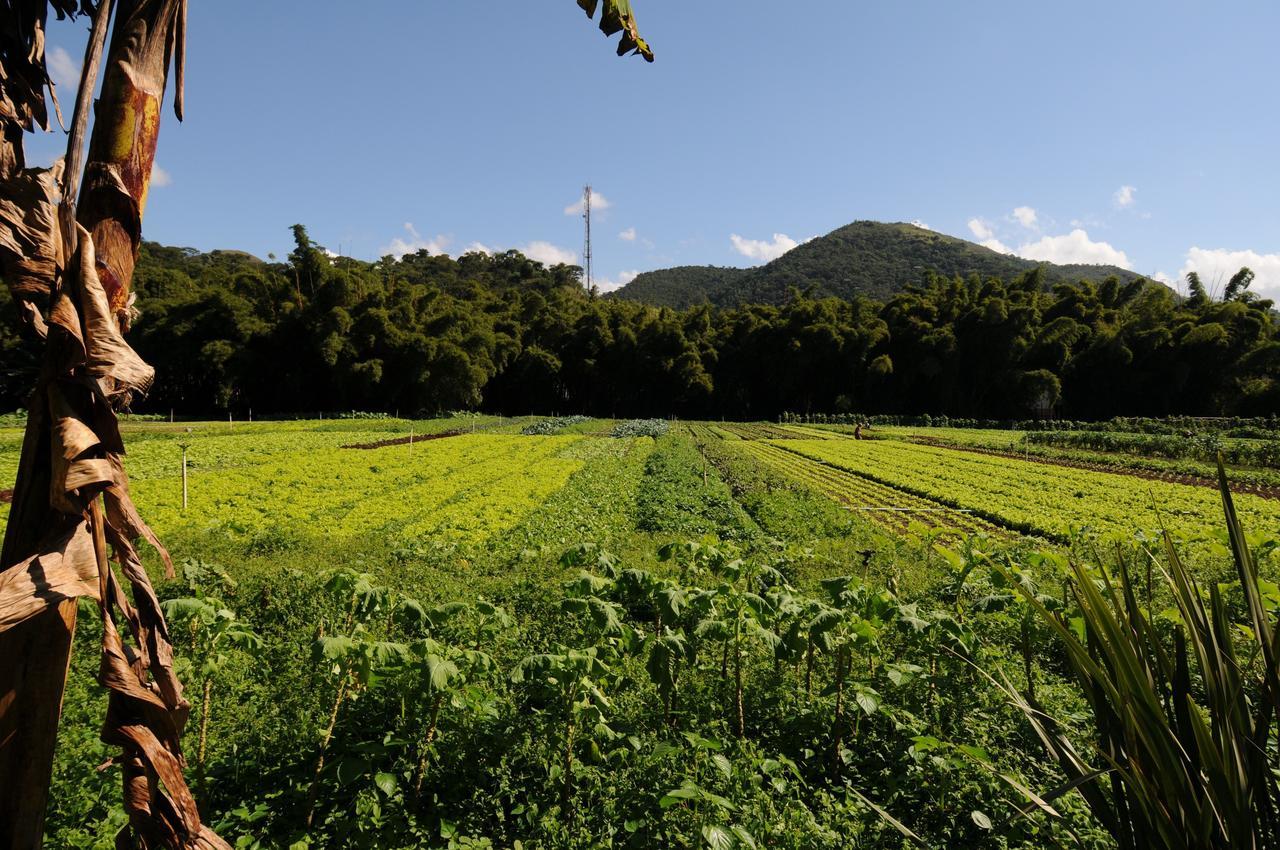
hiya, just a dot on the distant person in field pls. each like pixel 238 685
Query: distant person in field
pixel 857 431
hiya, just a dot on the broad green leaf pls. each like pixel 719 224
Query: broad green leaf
pixel 679 795
pixel 334 648
pixel 976 753
pixel 386 783
pixel 868 700
pixel 718 838
pixel 440 671
pixel 925 743
pixel 351 768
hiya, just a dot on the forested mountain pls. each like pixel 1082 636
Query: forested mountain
pixel 680 287
pixel 864 258
pixel 502 333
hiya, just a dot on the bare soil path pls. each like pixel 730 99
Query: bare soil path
pixel 401 441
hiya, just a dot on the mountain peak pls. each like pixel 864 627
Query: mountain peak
pixel 869 258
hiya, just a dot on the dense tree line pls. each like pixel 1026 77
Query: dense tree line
pixel 423 333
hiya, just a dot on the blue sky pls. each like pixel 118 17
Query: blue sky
pixel 1144 133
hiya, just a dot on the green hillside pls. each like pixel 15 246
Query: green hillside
pixel 682 286
pixel 864 258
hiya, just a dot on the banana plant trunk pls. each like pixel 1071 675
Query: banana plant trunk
pixel 49 556
pixel 148 34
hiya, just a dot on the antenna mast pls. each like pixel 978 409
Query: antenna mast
pixel 588 278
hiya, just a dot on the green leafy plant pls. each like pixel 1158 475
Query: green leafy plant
pixel 440 674
pixel 351 659
pixel 214 634
pixel 569 682
pixel 1184 714
pixel 739 617
pixel 712 811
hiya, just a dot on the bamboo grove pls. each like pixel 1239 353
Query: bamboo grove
pixel 422 333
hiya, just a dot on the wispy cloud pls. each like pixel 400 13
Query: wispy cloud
pixel 1026 216
pixel 548 254
pixel 1217 265
pixel 64 70
pixel 920 224
pixel 1074 247
pixel 614 284
pixel 1124 197
pixel 159 177
pixel 981 228
pixel 598 203
pixel 761 250
pixel 628 235
pixel 413 242
pixel 985 233
pixel 541 251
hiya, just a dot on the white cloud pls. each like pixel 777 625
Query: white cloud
pixel 762 251
pixel 1074 247
pixel 610 285
pixel 1216 266
pixel 414 243
pixel 1124 197
pixel 160 177
pixel 985 233
pixel 598 203
pixel 541 251
pixel 920 224
pixel 1163 277
pixel 1026 216
pixel 628 235
pixel 548 254
pixel 64 70
pixel 981 229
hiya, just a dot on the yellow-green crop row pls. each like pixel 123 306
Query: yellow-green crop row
pixel 271 483
pixel 10 450
pixel 809 433
pixel 1036 498
pixel 461 488
pixel 887 506
pixel 598 504
pixel 981 437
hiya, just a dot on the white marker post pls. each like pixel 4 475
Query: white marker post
pixel 184 474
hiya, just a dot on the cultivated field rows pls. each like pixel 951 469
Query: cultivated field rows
pixel 625 550
pixel 263 479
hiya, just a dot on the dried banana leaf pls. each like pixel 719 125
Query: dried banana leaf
pixel 618 17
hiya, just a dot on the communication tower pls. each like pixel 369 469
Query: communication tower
pixel 588 277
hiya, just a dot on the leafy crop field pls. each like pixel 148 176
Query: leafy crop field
pixel 1150 457
pixel 579 633
pixel 883 504
pixel 1039 499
